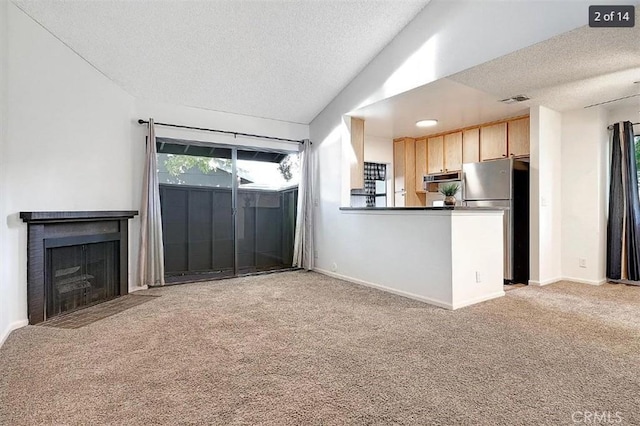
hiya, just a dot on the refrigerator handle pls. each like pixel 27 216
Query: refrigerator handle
pixel 462 189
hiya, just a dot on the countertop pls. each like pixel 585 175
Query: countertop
pixel 422 208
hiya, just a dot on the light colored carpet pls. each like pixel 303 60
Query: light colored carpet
pixel 302 348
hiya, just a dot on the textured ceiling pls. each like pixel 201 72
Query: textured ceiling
pixel 279 59
pixel 574 70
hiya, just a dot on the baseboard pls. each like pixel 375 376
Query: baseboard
pixel 582 281
pixel 479 299
pixel 545 282
pixel 386 289
pixel 13 326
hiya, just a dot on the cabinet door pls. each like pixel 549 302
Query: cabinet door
pixel 518 134
pixel 411 198
pixel 435 155
pixel 471 145
pixel 453 152
pixel 493 141
pixel 421 163
pixel 398 173
pixel 357 144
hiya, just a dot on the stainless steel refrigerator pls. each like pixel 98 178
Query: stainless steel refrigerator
pixel 505 184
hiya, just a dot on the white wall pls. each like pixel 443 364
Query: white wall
pixel 626 113
pixel 584 191
pixel 67 147
pixel 7 317
pixel 477 257
pixel 397 251
pixel 421 53
pixel 177 114
pixel 545 196
pixel 585 187
pixel 431 255
pixel 70 141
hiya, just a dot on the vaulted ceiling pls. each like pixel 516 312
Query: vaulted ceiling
pixel 578 69
pixel 280 59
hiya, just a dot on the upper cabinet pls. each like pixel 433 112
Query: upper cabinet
pixel 435 155
pixel 447 152
pixel 453 152
pixel 421 163
pixel 471 145
pixel 518 136
pixel 493 141
pixel 357 144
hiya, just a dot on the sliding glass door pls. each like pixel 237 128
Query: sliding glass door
pixel 266 212
pixel 226 211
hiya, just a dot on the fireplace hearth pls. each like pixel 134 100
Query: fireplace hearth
pixel 74 260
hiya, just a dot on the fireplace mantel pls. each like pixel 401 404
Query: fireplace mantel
pixel 44 228
pixel 76 216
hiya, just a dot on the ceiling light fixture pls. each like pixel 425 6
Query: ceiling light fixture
pixel 426 123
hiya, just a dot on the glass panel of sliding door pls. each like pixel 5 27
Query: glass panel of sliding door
pixel 267 200
pixel 197 212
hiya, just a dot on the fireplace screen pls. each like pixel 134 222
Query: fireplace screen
pixel 81 275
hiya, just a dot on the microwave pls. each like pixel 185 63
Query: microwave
pixel 441 177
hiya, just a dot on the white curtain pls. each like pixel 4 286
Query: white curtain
pixel 151 259
pixel 303 242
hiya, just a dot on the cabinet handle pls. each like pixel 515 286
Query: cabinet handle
pixel 504 155
pixel 440 169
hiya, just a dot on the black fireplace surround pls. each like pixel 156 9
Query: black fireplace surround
pixel 75 259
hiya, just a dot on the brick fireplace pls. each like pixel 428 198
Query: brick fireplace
pixel 75 259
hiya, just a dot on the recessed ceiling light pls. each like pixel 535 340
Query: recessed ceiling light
pixel 426 123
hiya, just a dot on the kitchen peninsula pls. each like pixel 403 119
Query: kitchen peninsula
pixel 446 256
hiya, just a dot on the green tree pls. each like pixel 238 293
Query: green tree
pixel 288 166
pixel 179 164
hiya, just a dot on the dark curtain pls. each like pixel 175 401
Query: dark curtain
pixel 623 233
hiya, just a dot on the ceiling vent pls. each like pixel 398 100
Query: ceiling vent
pixel 517 98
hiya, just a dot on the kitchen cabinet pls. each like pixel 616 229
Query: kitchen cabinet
pixel 404 173
pixel 518 137
pixel 398 172
pixel 493 141
pixel 453 152
pixel 357 144
pixel 471 145
pixel 444 153
pixel 435 155
pixel 421 163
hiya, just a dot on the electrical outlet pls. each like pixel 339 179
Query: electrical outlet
pixel 334 267
pixel 582 263
pixel 478 277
